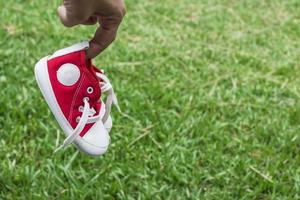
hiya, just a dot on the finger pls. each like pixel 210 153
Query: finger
pixel 72 13
pixel 104 36
pixel 65 17
pixel 91 21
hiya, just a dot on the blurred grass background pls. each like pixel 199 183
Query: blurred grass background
pixel 212 86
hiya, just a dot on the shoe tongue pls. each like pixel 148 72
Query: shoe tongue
pixel 95 70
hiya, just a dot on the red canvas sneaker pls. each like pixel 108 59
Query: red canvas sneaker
pixel 72 87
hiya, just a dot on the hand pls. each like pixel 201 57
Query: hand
pixel 108 13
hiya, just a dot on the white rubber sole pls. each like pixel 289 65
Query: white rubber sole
pixel 95 141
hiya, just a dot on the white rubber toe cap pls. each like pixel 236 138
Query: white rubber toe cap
pixel 95 142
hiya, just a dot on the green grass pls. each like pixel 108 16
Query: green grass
pixel 212 86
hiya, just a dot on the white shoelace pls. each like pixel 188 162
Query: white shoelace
pixel 88 113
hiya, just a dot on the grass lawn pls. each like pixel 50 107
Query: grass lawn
pixel 212 88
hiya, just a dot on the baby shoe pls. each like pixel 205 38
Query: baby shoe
pixel 72 87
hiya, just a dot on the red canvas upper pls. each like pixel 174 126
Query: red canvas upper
pixel 70 98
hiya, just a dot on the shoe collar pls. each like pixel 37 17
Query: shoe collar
pixel 74 48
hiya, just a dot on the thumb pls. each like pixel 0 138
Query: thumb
pixel 104 36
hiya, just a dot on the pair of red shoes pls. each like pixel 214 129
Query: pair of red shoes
pixel 72 86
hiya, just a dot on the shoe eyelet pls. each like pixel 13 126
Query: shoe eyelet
pixel 77 119
pixel 90 90
pixel 85 98
pixel 80 108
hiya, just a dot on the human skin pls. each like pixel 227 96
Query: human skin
pixel 107 13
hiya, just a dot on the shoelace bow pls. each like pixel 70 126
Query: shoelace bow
pixel 88 113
